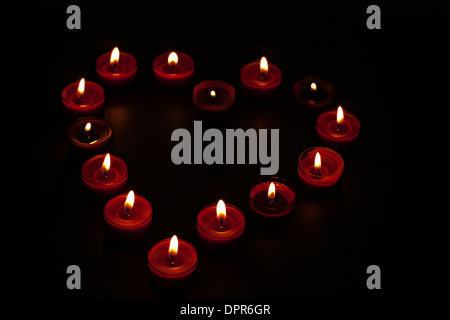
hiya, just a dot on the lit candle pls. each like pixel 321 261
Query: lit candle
pixel 338 129
pixel 320 168
pixel 213 97
pixel 220 227
pixel 312 94
pixel 116 68
pixel 272 199
pixel 82 99
pixel 260 78
pixel 104 175
pixel 90 135
pixel 174 69
pixel 128 217
pixel 172 262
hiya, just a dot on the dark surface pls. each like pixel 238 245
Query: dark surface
pixel 379 214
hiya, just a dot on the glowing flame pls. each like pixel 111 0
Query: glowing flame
pixel 106 164
pixel 173 248
pixel 313 87
pixel 129 202
pixel 213 94
pixel 172 59
pixel 271 192
pixel 115 54
pixel 317 162
pixel 87 128
pixel 221 211
pixel 263 65
pixel 81 86
pixel 339 115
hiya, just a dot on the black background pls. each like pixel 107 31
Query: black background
pixel 382 213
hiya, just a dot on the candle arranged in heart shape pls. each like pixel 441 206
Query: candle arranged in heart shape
pixel 260 78
pixel 272 198
pixel 104 175
pixel 214 96
pixel 174 69
pixel 116 68
pixel 337 128
pixel 82 99
pixel 90 134
pixel 312 94
pixel 220 227
pixel 320 168
pixel 172 262
pixel 128 217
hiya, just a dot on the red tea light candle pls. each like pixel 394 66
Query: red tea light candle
pixel 214 96
pixel 220 227
pixel 104 175
pixel 337 128
pixel 116 68
pixel 82 99
pixel 172 262
pixel 128 217
pixel 320 168
pixel 174 69
pixel 90 134
pixel 260 78
pixel 272 199
pixel 312 94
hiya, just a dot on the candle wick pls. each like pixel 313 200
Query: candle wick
pixel 172 258
pixel 338 127
pixel 262 75
pixel 318 172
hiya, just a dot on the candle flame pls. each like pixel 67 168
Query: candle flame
pixel 106 164
pixel 221 211
pixel 213 94
pixel 173 248
pixel 317 162
pixel 129 202
pixel 115 54
pixel 87 128
pixel 339 115
pixel 172 59
pixel 263 65
pixel 271 192
pixel 81 86
pixel 313 87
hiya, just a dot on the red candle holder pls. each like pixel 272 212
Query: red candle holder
pixel 260 78
pixel 214 96
pixel 172 269
pixel 220 232
pixel 90 134
pixel 320 176
pixel 128 217
pixel 103 179
pixel 272 204
pixel 82 103
pixel 173 69
pixel 312 94
pixel 116 68
pixel 338 128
